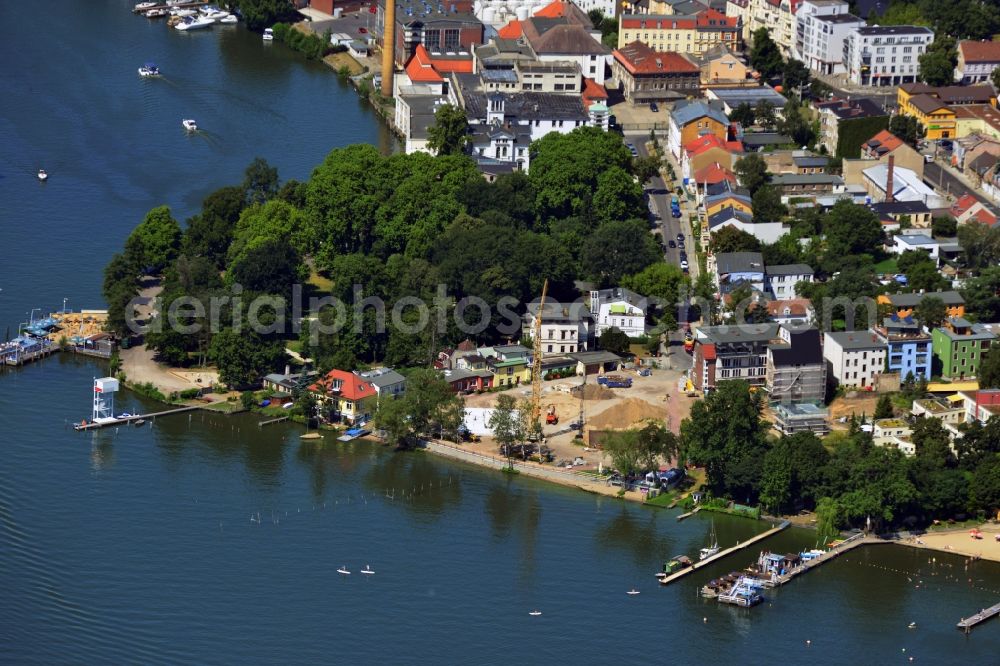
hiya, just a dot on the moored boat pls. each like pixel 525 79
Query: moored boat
pixel 229 19
pixel 42 176
pixel 156 13
pixel 268 35
pixel 713 545
pixel 194 23
pixel 148 70
pixel 144 6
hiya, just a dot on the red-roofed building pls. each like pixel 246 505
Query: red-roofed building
pixel 346 397
pixel 976 61
pixel 512 30
pixel 712 174
pixel 420 69
pixel 969 209
pixel 593 93
pixel 692 34
pixel 885 143
pixel 706 150
pixel 648 76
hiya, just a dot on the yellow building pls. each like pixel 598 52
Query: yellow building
pixel 691 34
pixel 736 201
pixel 936 117
pixel 906 304
pixel 937 108
pixel 509 364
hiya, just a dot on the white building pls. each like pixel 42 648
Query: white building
pixel 780 280
pixel 916 240
pixel 906 186
pixel 854 358
pixel 766 232
pixel 885 55
pixel 566 328
pixel 387 382
pixel 893 433
pixel 619 308
pixel 775 15
pixel 821 27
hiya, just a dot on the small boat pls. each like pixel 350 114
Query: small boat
pixel 343 570
pixel 42 176
pixel 139 423
pixel 156 13
pixel 368 571
pixel 268 35
pixel 183 13
pixel 230 19
pixel 124 415
pixel 190 125
pixel 713 545
pixel 632 592
pixel 149 69
pixel 143 6
pixel 194 23
pixel 535 613
pixel 912 625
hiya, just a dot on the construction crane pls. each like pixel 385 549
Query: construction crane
pixel 536 366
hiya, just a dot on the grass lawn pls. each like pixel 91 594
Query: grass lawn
pixel 320 282
pixel 663 499
pixel 294 345
pixel 887 266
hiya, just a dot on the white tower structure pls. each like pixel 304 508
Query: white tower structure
pixel 104 399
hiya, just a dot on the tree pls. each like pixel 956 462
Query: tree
pixel 931 312
pixel 614 340
pixel 640 450
pixel 989 368
pixel 765 115
pixel 734 239
pixel 936 68
pixel 450 131
pixel 982 295
pixel 260 14
pixel 120 286
pixel 765 56
pixel 944 225
pixel 796 126
pixel 985 486
pixel 742 114
pixel 795 75
pixel 507 425
pixel 210 233
pixel 751 171
pixel 154 243
pixel 767 206
pixel 981 244
pixel 907 128
pixel 618 248
pixel 792 473
pixel 646 167
pixel 429 407
pixel 924 276
pixel 883 410
pixel 850 230
pixel 270 267
pixel 618 196
pixel 663 281
pixel 260 182
pixel 244 357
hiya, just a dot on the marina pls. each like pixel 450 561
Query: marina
pixel 967 624
pixel 723 554
pixel 133 419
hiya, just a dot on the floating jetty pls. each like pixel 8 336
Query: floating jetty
pixel 280 419
pixel 966 624
pixel 850 543
pixel 724 553
pixel 104 423
pixel 688 514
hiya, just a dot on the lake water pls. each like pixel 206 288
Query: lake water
pixel 144 546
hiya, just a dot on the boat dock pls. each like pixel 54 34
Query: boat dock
pixel 105 423
pixel 850 543
pixel 270 421
pixel 688 514
pixel 724 553
pixel 966 624
pixel 183 5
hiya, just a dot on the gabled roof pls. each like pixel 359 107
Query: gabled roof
pixel 420 69
pixel 739 195
pixel 593 92
pixel 912 300
pixel 705 142
pixel 688 111
pixel 714 173
pixel 638 58
pixel 512 30
pixel 987 52
pixel 560 38
pixel 927 104
pixel 726 214
pixel 789 269
pixel 979 94
pixel 739 262
pixel 884 142
pixel 352 387
pixel 797 307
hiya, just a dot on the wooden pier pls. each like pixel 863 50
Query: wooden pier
pixel 966 624
pixel 724 553
pixel 185 5
pixel 270 421
pixel 94 425
pixel 859 539
pixel 688 514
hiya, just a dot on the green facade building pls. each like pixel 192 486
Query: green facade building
pixel 959 346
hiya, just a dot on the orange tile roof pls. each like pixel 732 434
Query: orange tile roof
pixel 703 143
pixel 460 65
pixel 964 203
pixel 638 58
pixel 798 307
pixel 556 9
pixel 593 92
pixel 352 387
pixel 714 173
pixel 420 69
pixel 887 140
pixel 512 30
pixel 980 51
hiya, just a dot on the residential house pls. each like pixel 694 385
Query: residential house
pixel 936 107
pixel 731 352
pixel 908 347
pixel 855 358
pixel 937 118
pixel 730 216
pixel 981 119
pixel 796 311
pixel 821 29
pixel 712 175
pixel 694 34
pixel 468 380
pixel 734 97
pixel 288 382
pixel 345 396
pixel 561 39
pixel 905 304
pixel 837 117
pixel 620 308
pixel 795 371
pixel 733 268
pixel 981 405
pixel 885 55
pixel 648 76
pixel 976 61
pixel 388 383
pixel 950 412
pixel 720 67
pixel 953 96
pixel 980 169
pixel 706 150
pixel 885 144
pixel 738 199
pixel 566 328
pixel 915 212
pixel 911 240
pixel 780 280
pixel 690 119
pixel 893 433
pixel 509 364
pixel 959 346
pixel 795 161
pixel 968 208
pixel 758 141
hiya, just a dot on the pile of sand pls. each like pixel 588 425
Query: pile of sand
pixel 629 412
pixel 593 392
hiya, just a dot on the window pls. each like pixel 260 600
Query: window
pixel 452 39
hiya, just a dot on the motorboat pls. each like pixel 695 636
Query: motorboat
pixel 183 13
pixel 149 69
pixel 213 13
pixel 229 19
pixel 190 125
pixel 535 613
pixel 632 592
pixel 368 571
pixel 143 6
pixel 713 546
pixel 268 35
pixel 156 13
pixel 343 570
pixel 42 176
pixel 194 23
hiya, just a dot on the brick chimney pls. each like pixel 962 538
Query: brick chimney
pixel 388 47
pixel 888 179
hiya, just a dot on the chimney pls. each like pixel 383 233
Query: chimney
pixel 888 179
pixel 388 47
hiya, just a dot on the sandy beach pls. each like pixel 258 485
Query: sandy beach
pixel 961 542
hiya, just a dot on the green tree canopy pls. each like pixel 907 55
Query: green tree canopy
pixel 765 56
pixel 907 128
pixel 931 312
pixel 936 69
pixel 155 242
pixel 989 368
pixel 614 340
pixel 752 171
pixel 428 408
pixel 450 132
pixel 617 249
pixel 742 114
pixel 618 196
pixel 734 239
pixel 260 182
pixel 767 206
pixel 244 357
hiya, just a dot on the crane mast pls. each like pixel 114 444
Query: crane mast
pixel 536 366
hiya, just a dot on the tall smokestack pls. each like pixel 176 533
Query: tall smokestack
pixel 888 179
pixel 388 47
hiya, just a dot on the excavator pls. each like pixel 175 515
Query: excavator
pixel 551 418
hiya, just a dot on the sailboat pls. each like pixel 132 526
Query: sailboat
pixel 344 570
pixel 368 571
pixel 713 545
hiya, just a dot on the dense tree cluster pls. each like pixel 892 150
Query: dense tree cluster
pixel 846 479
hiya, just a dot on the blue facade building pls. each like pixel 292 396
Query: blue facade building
pixel 908 347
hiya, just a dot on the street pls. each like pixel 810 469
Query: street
pixel 943 180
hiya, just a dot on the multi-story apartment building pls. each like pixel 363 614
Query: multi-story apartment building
pixel 778 16
pixel 619 308
pixel 731 352
pixel 976 61
pixel 908 348
pixel 795 371
pixel 885 55
pixel 960 346
pixel 821 28
pixel 647 76
pixel 692 34
pixel 855 358
pixel 566 328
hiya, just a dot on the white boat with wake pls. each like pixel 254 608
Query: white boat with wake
pixel 42 176
pixel 149 70
pixel 268 35
pixel 190 125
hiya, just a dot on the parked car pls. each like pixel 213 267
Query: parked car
pixel 928 158
pixel 680 237
pixel 680 244
pixel 632 149
pixel 671 244
pixel 684 255
pixel 684 264
pixel 946 144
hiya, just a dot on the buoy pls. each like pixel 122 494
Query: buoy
pixel 808 642
pixel 704 619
